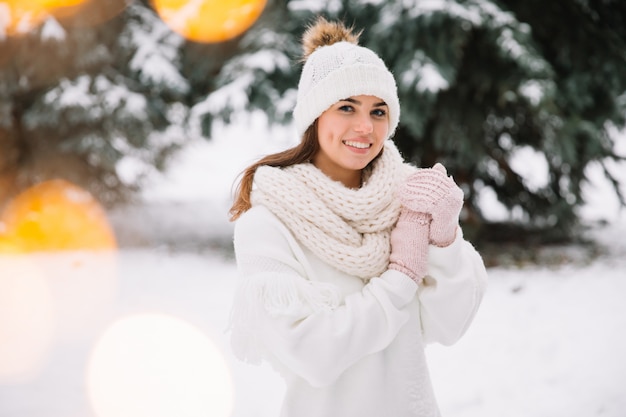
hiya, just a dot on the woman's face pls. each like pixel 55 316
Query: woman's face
pixel 351 134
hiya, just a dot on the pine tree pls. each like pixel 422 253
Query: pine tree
pixel 515 97
pixel 259 74
pixel 495 90
pixel 98 105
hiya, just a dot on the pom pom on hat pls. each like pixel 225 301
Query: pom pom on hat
pixel 336 68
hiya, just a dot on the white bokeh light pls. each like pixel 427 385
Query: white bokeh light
pixel 153 365
pixel 27 319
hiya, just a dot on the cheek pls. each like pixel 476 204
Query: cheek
pixel 324 131
pixel 382 130
pixel 323 136
pixel 381 145
pixel 327 134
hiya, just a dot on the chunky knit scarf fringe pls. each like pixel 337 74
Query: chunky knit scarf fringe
pixel 347 228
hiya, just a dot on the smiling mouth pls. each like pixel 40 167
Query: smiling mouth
pixel 358 145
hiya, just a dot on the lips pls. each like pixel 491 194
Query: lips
pixel 357 144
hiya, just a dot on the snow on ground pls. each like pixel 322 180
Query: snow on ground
pixel 547 341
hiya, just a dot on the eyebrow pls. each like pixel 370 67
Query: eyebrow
pixel 351 100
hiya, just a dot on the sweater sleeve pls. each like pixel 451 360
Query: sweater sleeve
pixel 452 291
pixel 282 316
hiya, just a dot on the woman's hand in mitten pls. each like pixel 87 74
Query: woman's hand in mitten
pixel 409 244
pixel 431 191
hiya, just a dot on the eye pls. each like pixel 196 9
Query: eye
pixel 379 112
pixel 346 108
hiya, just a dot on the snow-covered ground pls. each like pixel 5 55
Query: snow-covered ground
pixel 84 334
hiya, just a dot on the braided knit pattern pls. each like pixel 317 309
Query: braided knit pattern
pixel 431 191
pixel 347 228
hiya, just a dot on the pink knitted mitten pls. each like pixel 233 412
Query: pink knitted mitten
pixel 409 244
pixel 431 191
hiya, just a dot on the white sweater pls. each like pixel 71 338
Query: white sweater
pixel 347 347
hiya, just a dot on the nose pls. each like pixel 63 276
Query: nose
pixel 364 124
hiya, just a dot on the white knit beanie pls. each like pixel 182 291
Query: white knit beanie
pixel 338 71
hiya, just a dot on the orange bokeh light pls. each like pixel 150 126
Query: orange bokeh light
pixel 21 16
pixel 209 20
pixel 55 215
pixel 7 246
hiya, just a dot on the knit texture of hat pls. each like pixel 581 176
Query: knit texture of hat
pixel 338 71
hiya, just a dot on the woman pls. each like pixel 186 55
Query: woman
pixel 351 260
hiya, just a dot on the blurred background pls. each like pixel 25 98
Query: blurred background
pixel 124 124
pixel 517 98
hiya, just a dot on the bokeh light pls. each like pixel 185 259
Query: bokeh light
pixel 55 215
pixel 27 319
pixel 91 13
pixel 22 16
pixel 209 20
pixel 155 365
pixel 7 246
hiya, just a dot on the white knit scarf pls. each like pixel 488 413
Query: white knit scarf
pixel 347 228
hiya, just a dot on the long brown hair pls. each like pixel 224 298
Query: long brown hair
pixel 303 152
